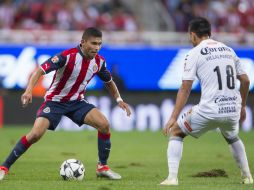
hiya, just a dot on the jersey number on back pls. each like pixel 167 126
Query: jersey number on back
pixel 230 77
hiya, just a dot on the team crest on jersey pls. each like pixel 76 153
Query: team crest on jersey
pixel 95 68
pixel 55 59
pixel 46 110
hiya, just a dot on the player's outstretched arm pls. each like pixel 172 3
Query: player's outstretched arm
pixel 27 96
pixel 112 88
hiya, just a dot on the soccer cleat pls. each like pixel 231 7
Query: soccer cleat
pixel 247 180
pixel 3 171
pixel 105 171
pixel 171 181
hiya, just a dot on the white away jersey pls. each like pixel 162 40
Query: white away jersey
pixel 216 66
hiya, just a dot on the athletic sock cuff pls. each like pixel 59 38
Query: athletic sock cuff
pixel 25 142
pixel 176 138
pixel 103 136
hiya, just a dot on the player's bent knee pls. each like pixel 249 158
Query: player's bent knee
pixel 104 130
pixel 232 140
pixel 104 127
pixel 176 131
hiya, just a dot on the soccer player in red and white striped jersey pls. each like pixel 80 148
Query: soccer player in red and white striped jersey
pixel 73 68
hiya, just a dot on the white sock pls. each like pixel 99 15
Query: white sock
pixel 174 154
pixel 238 151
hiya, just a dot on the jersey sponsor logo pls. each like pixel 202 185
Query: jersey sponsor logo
pixel 222 98
pixel 55 59
pixel 207 50
pixel 46 110
pixel 186 69
pixel 227 109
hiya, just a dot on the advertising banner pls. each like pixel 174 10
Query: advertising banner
pixel 150 110
pixel 151 77
pixel 139 67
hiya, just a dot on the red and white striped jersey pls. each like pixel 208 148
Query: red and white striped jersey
pixel 73 71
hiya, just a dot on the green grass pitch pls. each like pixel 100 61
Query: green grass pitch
pixel 140 157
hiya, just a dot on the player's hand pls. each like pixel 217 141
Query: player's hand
pixel 26 98
pixel 168 126
pixel 243 114
pixel 125 107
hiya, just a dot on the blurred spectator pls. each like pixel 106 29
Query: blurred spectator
pixel 7 12
pixel 235 16
pixel 66 15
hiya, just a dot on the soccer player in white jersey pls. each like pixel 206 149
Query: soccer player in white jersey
pixel 74 68
pixel 221 105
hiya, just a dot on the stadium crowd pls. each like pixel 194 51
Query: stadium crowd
pixel 108 15
pixel 232 16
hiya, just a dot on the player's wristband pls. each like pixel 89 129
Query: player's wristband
pixel 119 99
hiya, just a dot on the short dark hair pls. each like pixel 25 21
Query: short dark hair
pixel 201 26
pixel 91 32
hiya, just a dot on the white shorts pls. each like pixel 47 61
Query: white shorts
pixel 194 124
